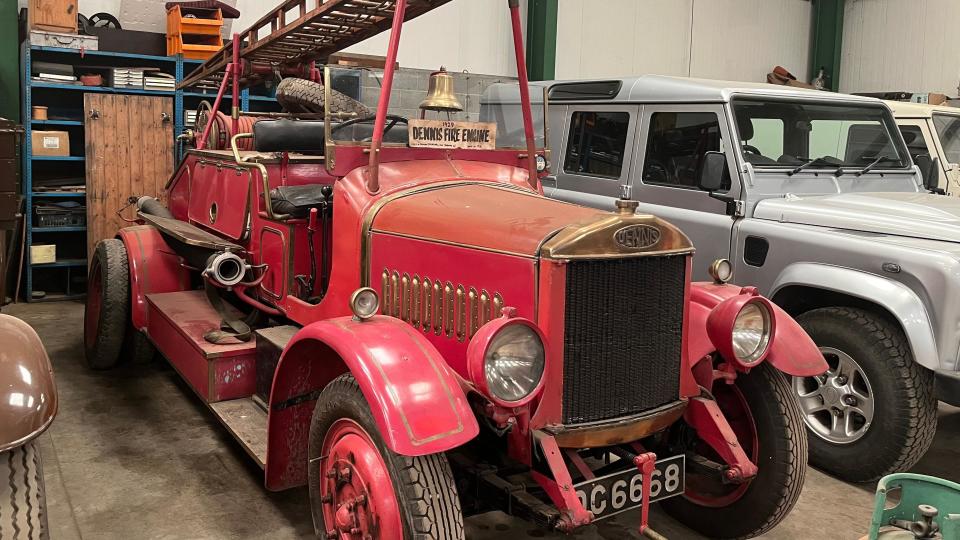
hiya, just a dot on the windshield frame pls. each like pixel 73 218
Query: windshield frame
pixel 887 119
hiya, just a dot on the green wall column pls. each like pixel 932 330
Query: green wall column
pixel 9 61
pixel 827 40
pixel 541 39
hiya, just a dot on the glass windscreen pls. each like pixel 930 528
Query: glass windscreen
pixel 818 135
pixel 948 129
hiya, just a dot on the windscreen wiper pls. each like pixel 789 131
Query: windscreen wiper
pixel 872 164
pixel 810 163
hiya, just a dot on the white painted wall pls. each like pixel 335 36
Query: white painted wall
pixel 719 39
pixel 900 45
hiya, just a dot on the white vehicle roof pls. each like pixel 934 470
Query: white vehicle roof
pixel 904 109
pixel 666 89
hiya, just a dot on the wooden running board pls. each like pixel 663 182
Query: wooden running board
pixel 247 422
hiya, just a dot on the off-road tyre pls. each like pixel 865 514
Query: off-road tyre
pixel 905 404
pixel 103 350
pixel 424 485
pixel 305 96
pixel 137 347
pixel 782 464
pixel 23 501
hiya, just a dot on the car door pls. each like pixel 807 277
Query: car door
pixel 596 153
pixel 919 135
pixel 671 146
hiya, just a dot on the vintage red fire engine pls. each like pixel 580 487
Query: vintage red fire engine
pixel 418 334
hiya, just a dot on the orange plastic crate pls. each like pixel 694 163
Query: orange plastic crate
pixel 196 36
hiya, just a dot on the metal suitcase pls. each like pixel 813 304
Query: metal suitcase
pixel 66 41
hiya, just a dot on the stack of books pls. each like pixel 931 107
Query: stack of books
pixel 160 82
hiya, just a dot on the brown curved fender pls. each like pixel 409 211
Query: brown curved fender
pixel 28 395
pixel 154 268
pixel 792 351
pixel 415 398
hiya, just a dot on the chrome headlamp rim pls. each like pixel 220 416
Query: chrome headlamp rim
pixel 360 304
pixel 763 343
pixel 721 270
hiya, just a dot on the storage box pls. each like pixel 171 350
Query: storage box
pixel 933 98
pixel 43 254
pixel 53 15
pixel 66 41
pixel 51 143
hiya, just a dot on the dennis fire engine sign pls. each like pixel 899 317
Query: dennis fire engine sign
pixel 450 134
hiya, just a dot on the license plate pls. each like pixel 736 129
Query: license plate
pixel 621 491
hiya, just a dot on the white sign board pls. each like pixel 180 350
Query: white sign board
pixel 450 134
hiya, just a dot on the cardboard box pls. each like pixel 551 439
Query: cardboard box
pixel 51 143
pixel 933 98
pixel 53 15
pixel 43 254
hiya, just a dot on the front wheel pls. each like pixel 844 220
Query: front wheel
pixel 361 489
pixel 107 313
pixel 874 412
pixel 23 502
pixel 768 425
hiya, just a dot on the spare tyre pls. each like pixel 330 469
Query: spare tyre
pixel 303 96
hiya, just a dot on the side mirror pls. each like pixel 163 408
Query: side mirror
pixel 929 171
pixel 712 171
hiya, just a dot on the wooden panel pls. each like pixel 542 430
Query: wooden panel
pixel 129 149
pixel 53 15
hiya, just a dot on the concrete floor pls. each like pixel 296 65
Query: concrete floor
pixel 135 454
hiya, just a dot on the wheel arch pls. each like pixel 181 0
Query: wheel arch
pixel 803 287
pixel 416 400
pixel 154 268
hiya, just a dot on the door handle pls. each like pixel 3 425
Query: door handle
pixel 94 114
pixel 164 117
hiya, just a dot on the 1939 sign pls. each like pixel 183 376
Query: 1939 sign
pixel 452 134
pixel 621 491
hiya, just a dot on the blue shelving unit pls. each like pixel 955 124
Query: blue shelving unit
pixel 183 100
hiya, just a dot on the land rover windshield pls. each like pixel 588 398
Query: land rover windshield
pixel 804 135
pixel 948 129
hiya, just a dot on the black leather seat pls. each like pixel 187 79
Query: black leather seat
pixel 284 135
pixel 296 201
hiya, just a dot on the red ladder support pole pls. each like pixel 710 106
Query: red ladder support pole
pixel 373 170
pixel 524 93
pixel 235 109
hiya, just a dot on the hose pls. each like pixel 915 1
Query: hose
pixel 150 205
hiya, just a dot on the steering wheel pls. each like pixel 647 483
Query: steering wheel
pixel 752 149
pixel 394 120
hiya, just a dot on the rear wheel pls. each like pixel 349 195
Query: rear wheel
pixel 361 489
pixel 107 312
pixel 23 501
pixel 768 425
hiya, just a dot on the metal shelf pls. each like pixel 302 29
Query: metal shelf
pixel 57 122
pixel 58 194
pixel 80 228
pixel 101 89
pixel 58 158
pixel 87 52
pixel 61 263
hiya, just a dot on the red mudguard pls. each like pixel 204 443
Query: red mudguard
pixel 415 398
pixel 791 349
pixel 154 268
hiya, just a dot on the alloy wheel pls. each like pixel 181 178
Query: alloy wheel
pixel 838 405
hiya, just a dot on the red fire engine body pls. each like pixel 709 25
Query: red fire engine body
pixel 429 308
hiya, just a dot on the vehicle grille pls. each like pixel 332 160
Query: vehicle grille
pixel 623 335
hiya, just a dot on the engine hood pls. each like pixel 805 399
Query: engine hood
pixel 917 215
pixel 504 219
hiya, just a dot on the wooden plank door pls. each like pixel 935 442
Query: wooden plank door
pixel 129 152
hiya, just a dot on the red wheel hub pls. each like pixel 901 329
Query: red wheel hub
pixel 359 502
pixel 711 491
pixel 91 319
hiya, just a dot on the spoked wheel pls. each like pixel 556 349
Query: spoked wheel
pixel 769 427
pixel 107 312
pixel 361 490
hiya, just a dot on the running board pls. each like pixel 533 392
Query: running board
pixel 247 422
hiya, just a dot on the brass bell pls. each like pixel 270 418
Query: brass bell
pixel 440 96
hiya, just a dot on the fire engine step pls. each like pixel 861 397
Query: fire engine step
pixel 176 323
pixel 270 344
pixel 247 421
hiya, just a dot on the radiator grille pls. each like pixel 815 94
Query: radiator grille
pixel 622 339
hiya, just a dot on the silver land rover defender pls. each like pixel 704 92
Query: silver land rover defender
pixel 814 198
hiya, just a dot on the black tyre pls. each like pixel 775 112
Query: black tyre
pixel 763 414
pixel 347 455
pixel 107 313
pixel 875 411
pixel 305 96
pixel 137 347
pixel 23 501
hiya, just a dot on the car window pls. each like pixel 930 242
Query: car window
pixel 948 128
pixel 596 144
pixel 676 144
pixel 916 143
